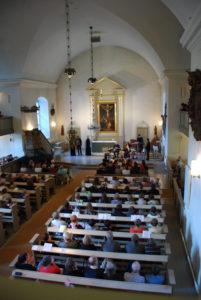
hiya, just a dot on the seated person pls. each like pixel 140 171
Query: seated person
pixel 153 213
pixel 143 167
pixel 47 265
pixel 135 169
pixel 131 211
pixel 129 199
pixel 87 243
pixel 134 183
pixel 47 239
pixel 152 248
pixel 66 208
pixel 141 200
pixel 154 191
pixel 116 199
pixel 107 226
pixel 118 211
pixel 77 197
pixel 154 227
pixel 137 227
pixel 155 277
pixel 153 201
pixel 23 262
pixel 133 246
pixel 71 268
pixel 74 223
pixel 56 220
pixel 103 199
pixel 110 245
pixel 134 276
pixel 89 225
pixel 68 242
pixel 92 270
pixel 89 210
pixel 110 270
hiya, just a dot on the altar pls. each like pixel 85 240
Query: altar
pixel 99 146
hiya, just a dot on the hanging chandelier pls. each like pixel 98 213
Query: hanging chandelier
pixel 91 79
pixel 69 70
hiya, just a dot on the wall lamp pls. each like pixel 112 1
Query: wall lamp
pixel 196 168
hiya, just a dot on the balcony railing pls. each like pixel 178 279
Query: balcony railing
pixel 184 122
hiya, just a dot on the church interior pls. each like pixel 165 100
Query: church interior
pixel 96 74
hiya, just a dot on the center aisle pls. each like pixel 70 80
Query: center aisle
pixel 19 242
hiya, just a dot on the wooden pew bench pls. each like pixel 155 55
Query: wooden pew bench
pixel 34 195
pixel 49 179
pixel 121 177
pixel 60 255
pixel 10 215
pixel 44 188
pixel 91 282
pixel 110 206
pixel 98 237
pixel 23 204
pixel 112 218
pixel 123 223
pixel 121 196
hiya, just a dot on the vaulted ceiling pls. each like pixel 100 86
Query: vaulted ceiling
pixel 33 35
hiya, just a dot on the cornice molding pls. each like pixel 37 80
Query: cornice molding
pixel 22 82
pixel 192 35
pixel 171 73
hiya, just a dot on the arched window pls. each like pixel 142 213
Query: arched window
pixel 43 116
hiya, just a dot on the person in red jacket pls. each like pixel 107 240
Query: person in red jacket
pixel 48 266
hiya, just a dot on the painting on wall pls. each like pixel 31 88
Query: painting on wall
pixel 107 116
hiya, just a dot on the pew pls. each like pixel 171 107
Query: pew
pixel 122 196
pixel 93 282
pixel 10 215
pixel 23 204
pixel 109 206
pixel 99 235
pixel 34 195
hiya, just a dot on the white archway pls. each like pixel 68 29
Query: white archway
pixel 43 116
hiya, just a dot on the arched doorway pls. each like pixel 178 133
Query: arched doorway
pixel 43 116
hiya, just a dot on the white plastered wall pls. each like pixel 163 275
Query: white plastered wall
pixel 142 100
pixel 191 39
pixel 10 106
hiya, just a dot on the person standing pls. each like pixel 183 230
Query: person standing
pixel 140 143
pixel 78 143
pixel 148 148
pixel 88 147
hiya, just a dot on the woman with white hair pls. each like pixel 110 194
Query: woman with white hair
pixel 134 276
pixel 92 270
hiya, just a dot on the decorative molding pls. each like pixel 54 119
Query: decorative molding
pixel 21 82
pixel 192 35
pixel 175 73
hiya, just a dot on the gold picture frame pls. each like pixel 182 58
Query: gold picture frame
pixel 107 116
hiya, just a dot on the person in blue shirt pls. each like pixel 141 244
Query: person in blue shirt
pixel 155 277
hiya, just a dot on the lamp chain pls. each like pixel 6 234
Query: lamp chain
pixel 67 10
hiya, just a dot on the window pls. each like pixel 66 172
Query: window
pixel 43 116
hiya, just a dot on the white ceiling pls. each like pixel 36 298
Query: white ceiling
pixel 33 37
pixel 182 9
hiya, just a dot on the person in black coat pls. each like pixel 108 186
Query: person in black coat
pixel 148 148
pixel 88 147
